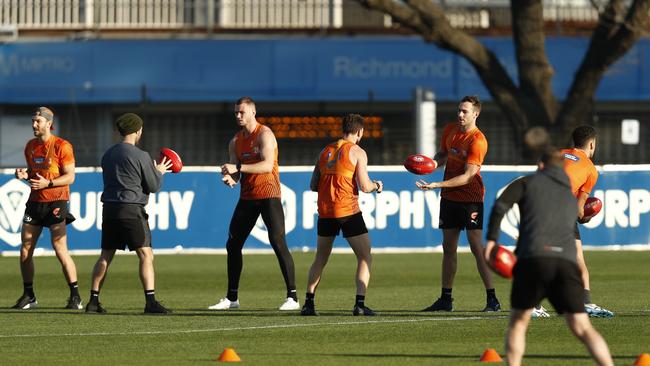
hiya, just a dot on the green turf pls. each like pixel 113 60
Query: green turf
pixel 401 285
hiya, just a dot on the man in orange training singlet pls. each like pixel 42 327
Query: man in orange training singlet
pixel 49 173
pixel 254 163
pixel 341 170
pixel 462 147
pixel 583 176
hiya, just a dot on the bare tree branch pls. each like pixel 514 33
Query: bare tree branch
pixel 425 14
pixel 399 11
pixel 608 44
pixel 532 103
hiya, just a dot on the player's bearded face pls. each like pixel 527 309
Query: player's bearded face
pixel 466 114
pixel 40 126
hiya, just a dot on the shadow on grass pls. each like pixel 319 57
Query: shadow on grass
pixel 434 356
pixel 273 313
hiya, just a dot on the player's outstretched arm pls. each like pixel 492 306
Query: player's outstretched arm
pixel 470 171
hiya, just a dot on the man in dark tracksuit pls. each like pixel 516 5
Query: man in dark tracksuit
pixel 129 176
pixel 546 256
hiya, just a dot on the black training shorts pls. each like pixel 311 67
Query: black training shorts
pixel 47 214
pixel 352 225
pixel 460 215
pixel 554 278
pixel 125 225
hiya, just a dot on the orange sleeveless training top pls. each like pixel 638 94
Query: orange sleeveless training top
pixel 256 186
pixel 463 148
pixel 48 159
pixel 581 171
pixel 338 192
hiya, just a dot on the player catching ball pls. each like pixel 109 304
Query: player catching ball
pixel 341 170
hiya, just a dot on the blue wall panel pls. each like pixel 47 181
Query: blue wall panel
pixel 194 209
pixel 286 69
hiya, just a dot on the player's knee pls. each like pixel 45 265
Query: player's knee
pixel 580 326
pixel 277 241
pixel 59 248
pixel 234 246
pixel 365 257
pixel 449 252
pixel 26 253
pixel 145 254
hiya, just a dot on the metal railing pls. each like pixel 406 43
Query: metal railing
pixel 252 14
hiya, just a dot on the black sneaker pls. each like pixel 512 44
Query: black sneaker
pixel 95 308
pixel 74 302
pixel 441 305
pixel 156 308
pixel 25 302
pixel 362 310
pixel 308 310
pixel 492 305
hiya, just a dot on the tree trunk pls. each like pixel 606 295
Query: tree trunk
pixel 535 71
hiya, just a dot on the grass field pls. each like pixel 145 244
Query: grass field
pixel 401 285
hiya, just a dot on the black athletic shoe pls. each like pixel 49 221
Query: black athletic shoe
pixel 308 311
pixel 441 305
pixel 25 302
pixel 95 308
pixel 492 305
pixel 362 310
pixel 156 308
pixel 74 302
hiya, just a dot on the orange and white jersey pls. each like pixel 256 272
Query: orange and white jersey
pixel 581 171
pixel 338 191
pixel 463 148
pixel 48 159
pixel 256 186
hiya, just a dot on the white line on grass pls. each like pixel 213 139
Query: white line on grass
pixel 261 327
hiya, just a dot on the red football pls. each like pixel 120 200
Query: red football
pixel 177 163
pixel 502 261
pixel 593 206
pixel 420 164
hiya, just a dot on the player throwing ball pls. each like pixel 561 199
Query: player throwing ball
pixel 462 148
pixel 341 170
